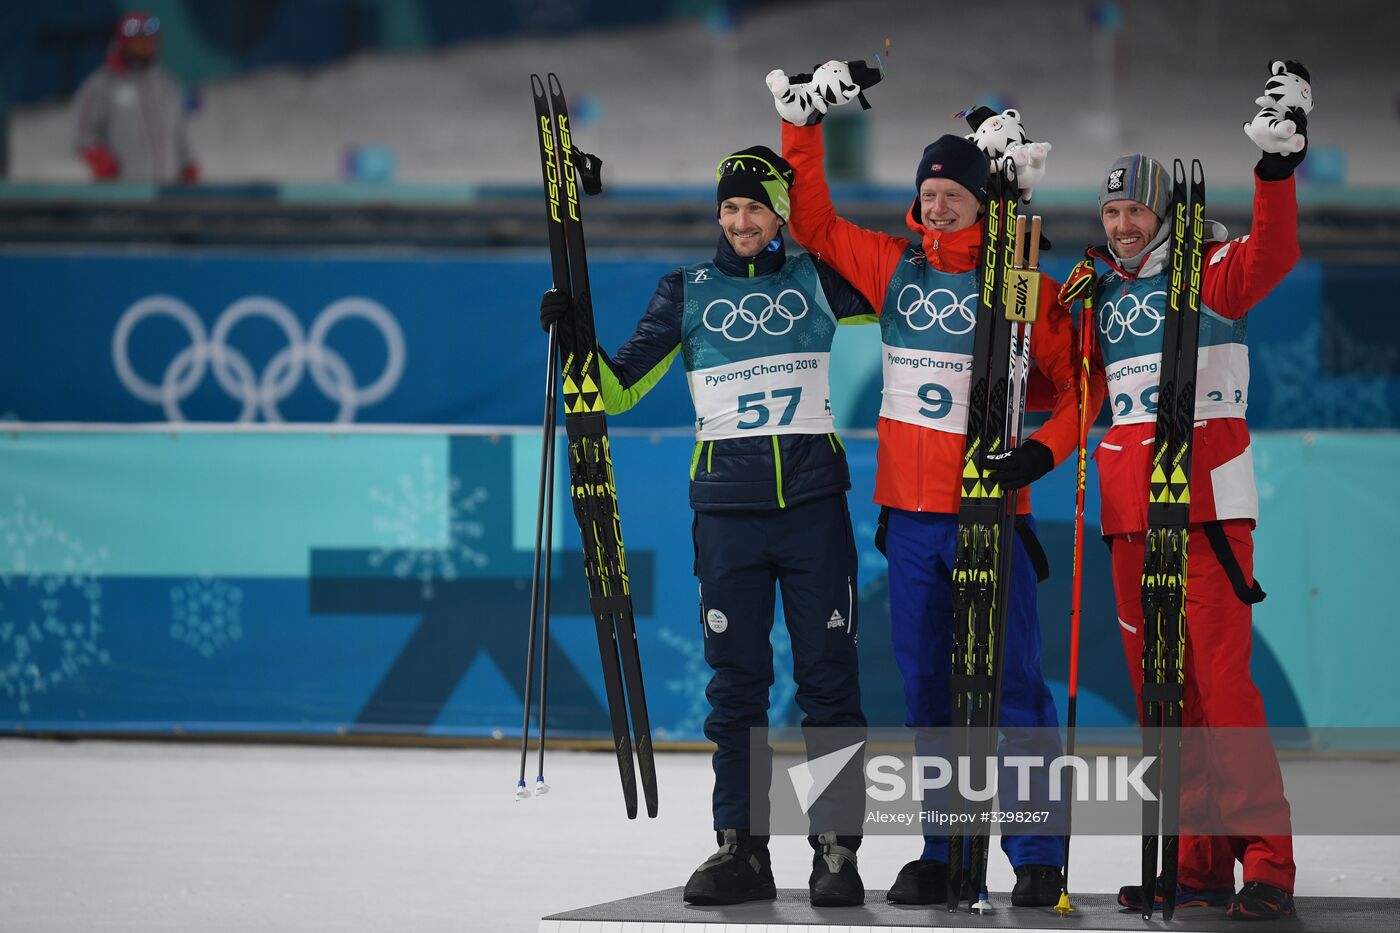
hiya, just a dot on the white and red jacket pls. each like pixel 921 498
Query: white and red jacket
pixel 1129 309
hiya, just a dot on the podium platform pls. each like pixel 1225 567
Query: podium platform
pixel 665 912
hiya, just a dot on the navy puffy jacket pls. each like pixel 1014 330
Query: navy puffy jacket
pixel 736 473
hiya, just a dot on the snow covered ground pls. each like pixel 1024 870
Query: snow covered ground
pixel 662 103
pixel 108 836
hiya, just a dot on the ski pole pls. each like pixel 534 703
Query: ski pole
pixel 546 449
pixel 551 406
pixel 1081 286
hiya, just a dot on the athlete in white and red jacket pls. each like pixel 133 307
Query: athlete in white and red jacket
pixel 1232 789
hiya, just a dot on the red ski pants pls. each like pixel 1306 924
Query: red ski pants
pixel 1238 785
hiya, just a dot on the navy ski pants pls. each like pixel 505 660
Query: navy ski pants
pixel 921 547
pixel 808 551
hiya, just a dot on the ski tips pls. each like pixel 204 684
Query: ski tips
pixel 554 86
pixel 537 85
pixel 1064 908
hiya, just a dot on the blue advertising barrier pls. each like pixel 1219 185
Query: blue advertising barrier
pixel 213 337
pixel 319 583
pixel 208 336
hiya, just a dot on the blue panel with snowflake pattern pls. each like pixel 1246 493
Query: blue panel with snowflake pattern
pixel 407 614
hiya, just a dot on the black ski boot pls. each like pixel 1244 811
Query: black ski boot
pixel 740 871
pixel 835 881
pixel 1260 901
pixel 922 881
pixel 1037 886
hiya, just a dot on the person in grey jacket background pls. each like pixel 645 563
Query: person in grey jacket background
pixel 131 114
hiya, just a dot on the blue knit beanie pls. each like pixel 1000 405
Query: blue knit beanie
pixel 957 159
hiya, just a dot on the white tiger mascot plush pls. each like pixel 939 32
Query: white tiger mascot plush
pixel 1272 129
pixel 804 99
pixel 1003 138
pixel 799 103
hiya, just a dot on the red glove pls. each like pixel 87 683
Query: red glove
pixel 102 163
pixel 190 173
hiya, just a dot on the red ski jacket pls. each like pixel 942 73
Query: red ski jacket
pixel 920 468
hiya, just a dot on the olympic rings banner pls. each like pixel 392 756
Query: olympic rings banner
pixel 210 337
pixel 266 338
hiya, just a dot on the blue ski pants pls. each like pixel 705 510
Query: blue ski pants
pixel 808 552
pixel 921 547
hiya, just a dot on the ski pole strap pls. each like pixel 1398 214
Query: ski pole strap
pixel 1034 551
pixel 1250 593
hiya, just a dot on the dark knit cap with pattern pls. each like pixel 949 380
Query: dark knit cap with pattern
pixel 957 159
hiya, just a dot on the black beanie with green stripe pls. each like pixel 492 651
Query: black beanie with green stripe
pixel 758 173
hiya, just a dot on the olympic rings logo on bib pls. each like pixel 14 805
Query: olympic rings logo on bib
pixel 1118 323
pixel 741 321
pixel 956 317
pixel 259 392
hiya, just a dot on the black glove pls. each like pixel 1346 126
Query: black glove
pixel 554 306
pixel 882 529
pixel 1275 167
pixel 1021 465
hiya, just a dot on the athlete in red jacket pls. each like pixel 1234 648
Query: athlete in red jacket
pixel 925 289
pixel 1237 786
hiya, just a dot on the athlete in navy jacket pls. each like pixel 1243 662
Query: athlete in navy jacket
pixel 768 477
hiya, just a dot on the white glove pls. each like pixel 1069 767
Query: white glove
pixel 798 104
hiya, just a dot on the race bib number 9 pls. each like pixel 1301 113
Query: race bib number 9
pixel 926 387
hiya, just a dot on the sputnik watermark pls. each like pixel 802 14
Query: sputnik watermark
pixel 811 778
pixel 931 781
pixel 1113 778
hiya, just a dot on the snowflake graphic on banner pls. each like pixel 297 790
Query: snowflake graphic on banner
pixel 416 513
pixel 695 677
pixel 206 614
pixel 1305 397
pixel 50 606
pixel 690 685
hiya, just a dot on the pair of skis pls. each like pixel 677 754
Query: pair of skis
pixel 1007 304
pixel 1169 514
pixel 591 485
pixel 1164 559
